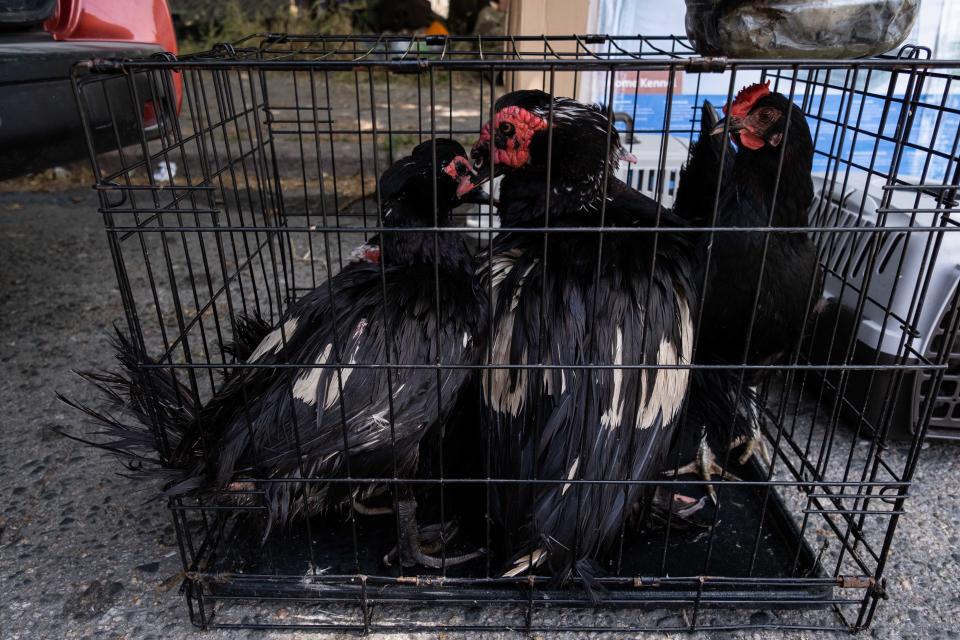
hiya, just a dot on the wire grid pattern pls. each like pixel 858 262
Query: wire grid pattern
pixel 277 146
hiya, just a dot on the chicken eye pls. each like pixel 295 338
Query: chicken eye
pixel 506 128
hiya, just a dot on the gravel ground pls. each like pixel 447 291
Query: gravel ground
pixel 84 556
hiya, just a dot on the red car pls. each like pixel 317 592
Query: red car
pixel 40 42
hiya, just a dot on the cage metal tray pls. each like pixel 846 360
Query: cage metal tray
pixel 285 566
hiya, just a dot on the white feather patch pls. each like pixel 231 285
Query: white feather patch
pixel 496 382
pixel 548 379
pixel 501 265
pixel 533 559
pixel 380 419
pixel 333 386
pixel 274 340
pixel 515 302
pixel 613 416
pixel 570 475
pixel 670 385
pixel 305 388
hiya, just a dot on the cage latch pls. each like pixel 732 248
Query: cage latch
pixel 707 64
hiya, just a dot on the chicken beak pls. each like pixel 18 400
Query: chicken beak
pixel 480 156
pixel 735 125
pixel 482 164
pixel 465 185
pixel 482 172
pixel 468 184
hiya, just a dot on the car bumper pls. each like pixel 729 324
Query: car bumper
pixel 39 120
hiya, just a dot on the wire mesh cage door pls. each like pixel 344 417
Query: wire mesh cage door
pixel 251 205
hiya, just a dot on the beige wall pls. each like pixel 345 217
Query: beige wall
pixel 547 17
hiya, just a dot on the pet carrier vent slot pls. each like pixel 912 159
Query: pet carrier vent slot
pixel 861 250
pixel 893 243
pixel 839 254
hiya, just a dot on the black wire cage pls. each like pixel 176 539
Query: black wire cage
pixel 253 176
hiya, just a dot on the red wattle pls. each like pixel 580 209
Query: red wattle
pixel 749 140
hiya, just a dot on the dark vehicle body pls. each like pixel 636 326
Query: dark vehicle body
pixel 40 43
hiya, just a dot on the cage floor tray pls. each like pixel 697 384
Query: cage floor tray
pixel 288 565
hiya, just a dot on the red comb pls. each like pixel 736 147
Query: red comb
pixel 746 98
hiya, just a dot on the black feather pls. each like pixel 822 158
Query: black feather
pixel 250 332
pixel 699 178
pixel 147 418
pixel 731 264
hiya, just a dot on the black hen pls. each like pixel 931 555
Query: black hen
pixel 764 125
pixel 699 177
pixel 557 303
pixel 295 423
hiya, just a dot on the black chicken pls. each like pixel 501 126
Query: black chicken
pixel 557 302
pixel 295 423
pixel 763 125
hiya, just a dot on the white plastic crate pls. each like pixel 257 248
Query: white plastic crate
pixel 644 174
pixel 891 288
